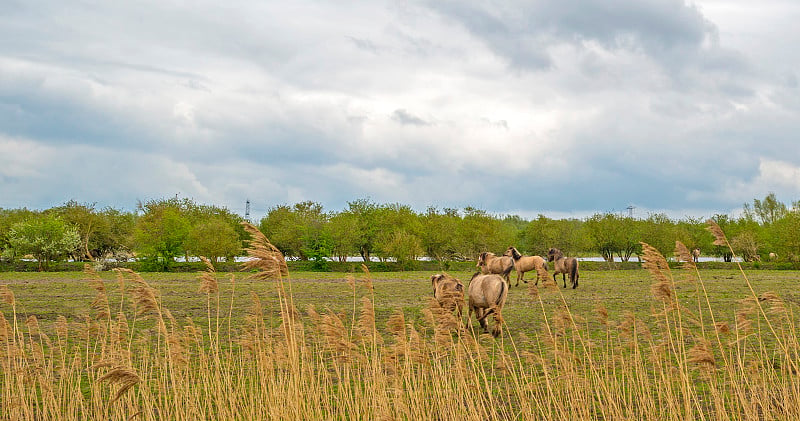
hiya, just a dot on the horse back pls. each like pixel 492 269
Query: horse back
pixel 487 290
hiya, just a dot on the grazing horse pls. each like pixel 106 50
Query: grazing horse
pixel 449 292
pixel 487 295
pixel 773 256
pixel 696 255
pixel 524 264
pixel 564 265
pixel 489 262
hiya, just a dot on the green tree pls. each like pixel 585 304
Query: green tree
pixel 113 235
pixel 343 230
pixel 161 232
pixel 438 234
pixel 8 218
pixel 769 209
pixel 390 220
pixel 366 213
pixel 405 247
pixel 785 233
pixel 293 229
pixel 658 230
pixel 480 231
pixel 746 246
pixel 213 238
pixel 46 237
pixel 85 219
pixel 543 233
pixel 611 234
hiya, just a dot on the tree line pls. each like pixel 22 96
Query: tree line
pixel 161 231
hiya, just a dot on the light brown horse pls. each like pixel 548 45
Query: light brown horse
pixel 449 292
pixel 487 295
pixel 696 255
pixel 564 266
pixel 489 262
pixel 524 264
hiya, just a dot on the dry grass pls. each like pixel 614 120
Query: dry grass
pixel 139 362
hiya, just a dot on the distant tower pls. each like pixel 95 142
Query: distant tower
pixel 630 209
pixel 247 211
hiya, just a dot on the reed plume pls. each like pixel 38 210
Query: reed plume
pixel 208 284
pixel 719 237
pixel 265 259
pixel 683 254
pixel 7 295
pixel 124 377
pixel 654 262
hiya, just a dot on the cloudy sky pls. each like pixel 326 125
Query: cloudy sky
pixel 564 108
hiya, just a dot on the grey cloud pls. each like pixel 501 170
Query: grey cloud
pixel 365 44
pixel 634 101
pixel 404 117
pixel 522 32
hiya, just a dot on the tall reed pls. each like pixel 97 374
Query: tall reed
pixel 139 362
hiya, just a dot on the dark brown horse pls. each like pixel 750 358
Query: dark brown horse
pixel 564 266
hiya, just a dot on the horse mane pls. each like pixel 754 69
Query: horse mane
pixel 555 253
pixel 514 253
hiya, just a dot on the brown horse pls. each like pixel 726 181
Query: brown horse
pixel 564 265
pixel 449 292
pixel 489 262
pixel 696 255
pixel 487 295
pixel 524 264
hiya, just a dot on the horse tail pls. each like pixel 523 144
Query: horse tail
pixel 507 270
pixel 573 272
pixel 501 296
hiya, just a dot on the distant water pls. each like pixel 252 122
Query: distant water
pixel 356 259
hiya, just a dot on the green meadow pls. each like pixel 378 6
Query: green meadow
pixel 50 294
pixel 655 343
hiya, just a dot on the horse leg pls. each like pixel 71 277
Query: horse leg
pixel 564 278
pixel 469 316
pixel 498 324
pixel 486 314
pixel 479 314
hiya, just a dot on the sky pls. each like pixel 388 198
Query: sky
pixel 563 108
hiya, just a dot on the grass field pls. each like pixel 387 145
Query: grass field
pixel 627 344
pixel 48 295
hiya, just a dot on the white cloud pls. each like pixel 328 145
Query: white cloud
pixel 780 177
pixel 443 103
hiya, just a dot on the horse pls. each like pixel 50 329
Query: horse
pixel 489 262
pixel 773 256
pixel 524 264
pixel 487 295
pixel 449 292
pixel 563 265
pixel 696 255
